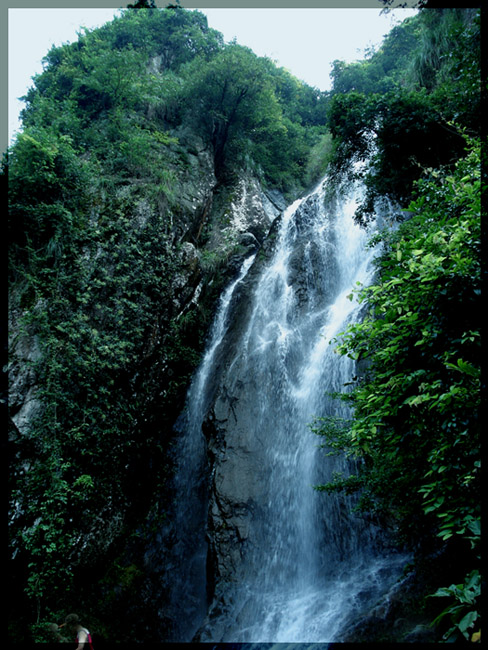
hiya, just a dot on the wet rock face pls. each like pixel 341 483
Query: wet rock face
pixel 250 428
pixel 251 210
pixel 243 214
pixel 402 615
pixel 313 266
pixel 230 479
pixel 238 482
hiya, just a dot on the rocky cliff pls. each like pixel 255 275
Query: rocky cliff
pixel 209 231
pixel 235 223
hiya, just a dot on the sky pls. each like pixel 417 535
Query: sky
pixel 305 41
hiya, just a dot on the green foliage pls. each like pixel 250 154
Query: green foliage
pixel 382 70
pixel 404 108
pixel 171 68
pixel 96 318
pixel 248 110
pixel 400 133
pixel 234 98
pixel 463 612
pixel 95 180
pixel 45 175
pixel 300 103
pixel 416 425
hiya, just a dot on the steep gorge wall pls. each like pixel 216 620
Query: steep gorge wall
pixel 212 227
pixel 236 225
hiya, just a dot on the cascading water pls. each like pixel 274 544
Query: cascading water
pixel 189 543
pixel 291 564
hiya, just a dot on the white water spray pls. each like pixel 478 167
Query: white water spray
pixel 308 563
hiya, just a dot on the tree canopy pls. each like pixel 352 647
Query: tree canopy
pixel 405 108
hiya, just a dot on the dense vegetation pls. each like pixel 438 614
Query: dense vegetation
pixel 407 106
pixel 415 426
pixel 98 184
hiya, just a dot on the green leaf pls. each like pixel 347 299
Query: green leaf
pixel 466 622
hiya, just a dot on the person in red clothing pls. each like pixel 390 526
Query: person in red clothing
pixel 83 637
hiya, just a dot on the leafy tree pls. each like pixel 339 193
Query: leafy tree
pixel 300 102
pixel 438 33
pixel 408 117
pixel 382 70
pixel 456 89
pixel 46 190
pixel 234 100
pixel 107 68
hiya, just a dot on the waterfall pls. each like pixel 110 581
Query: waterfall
pixel 189 545
pixel 288 564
